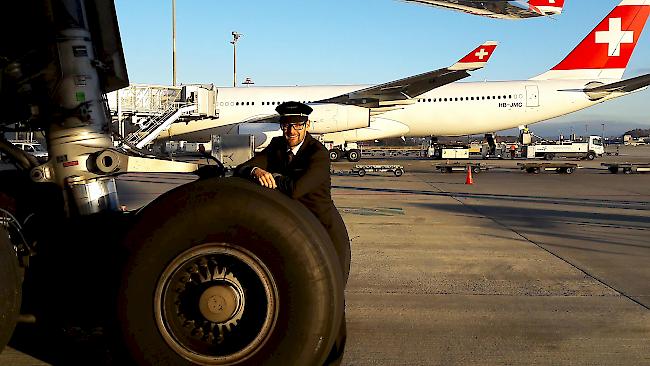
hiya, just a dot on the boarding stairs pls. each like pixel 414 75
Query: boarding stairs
pixel 158 123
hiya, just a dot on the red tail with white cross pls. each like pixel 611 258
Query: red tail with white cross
pixel 606 51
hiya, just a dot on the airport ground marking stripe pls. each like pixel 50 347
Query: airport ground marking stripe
pixel 478 212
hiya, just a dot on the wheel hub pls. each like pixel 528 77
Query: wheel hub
pixel 215 304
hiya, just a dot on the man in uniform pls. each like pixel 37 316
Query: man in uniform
pixel 298 165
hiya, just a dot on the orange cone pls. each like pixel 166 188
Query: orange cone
pixel 469 179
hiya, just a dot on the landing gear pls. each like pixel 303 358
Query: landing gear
pixel 240 275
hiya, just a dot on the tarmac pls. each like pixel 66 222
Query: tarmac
pixel 516 269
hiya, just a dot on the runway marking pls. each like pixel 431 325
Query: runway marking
pixel 369 211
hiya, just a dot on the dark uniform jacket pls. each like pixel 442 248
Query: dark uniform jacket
pixel 306 179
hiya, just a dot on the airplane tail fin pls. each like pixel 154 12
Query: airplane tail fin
pixel 606 51
pixel 546 7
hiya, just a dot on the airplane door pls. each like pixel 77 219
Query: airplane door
pixel 532 96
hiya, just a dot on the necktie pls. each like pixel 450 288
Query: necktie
pixel 290 156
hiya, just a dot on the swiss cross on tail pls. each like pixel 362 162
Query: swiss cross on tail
pixel 477 58
pixel 610 45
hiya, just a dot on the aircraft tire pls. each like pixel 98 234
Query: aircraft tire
pixel 235 274
pixel 10 288
pixel 335 155
pixel 398 172
pixel 354 155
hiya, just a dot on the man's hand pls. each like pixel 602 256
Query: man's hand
pixel 264 178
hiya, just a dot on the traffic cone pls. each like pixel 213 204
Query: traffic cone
pixel 469 179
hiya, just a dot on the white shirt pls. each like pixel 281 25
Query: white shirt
pixel 295 149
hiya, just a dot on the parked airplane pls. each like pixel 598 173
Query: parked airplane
pixel 431 105
pixel 500 8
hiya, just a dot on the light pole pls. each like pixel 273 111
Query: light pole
pixel 235 38
pixel 174 42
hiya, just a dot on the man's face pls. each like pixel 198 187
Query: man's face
pixel 295 132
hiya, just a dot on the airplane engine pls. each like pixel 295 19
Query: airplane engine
pixel 335 117
pixel 263 132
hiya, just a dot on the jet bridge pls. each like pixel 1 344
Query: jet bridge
pixel 144 111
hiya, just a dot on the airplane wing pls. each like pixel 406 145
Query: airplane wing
pixel 500 8
pixel 404 90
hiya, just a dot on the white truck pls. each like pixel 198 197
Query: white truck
pixel 570 149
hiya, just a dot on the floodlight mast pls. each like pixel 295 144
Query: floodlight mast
pixel 235 38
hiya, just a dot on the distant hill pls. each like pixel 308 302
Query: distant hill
pixel 638 132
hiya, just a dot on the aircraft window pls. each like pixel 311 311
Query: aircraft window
pixel 499 97
pixel 237 103
pixel 504 97
pixel 456 99
pixel 434 100
pixel 429 100
pixel 252 103
pixel 445 99
pixel 461 99
pixel 488 97
pixel 510 96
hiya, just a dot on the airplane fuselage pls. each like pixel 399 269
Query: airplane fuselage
pixel 452 110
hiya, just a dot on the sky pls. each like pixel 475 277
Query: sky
pixel 333 42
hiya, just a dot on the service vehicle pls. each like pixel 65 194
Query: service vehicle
pixel 32 147
pixel 627 168
pixel 448 152
pixel 362 170
pixel 536 168
pixel 451 167
pixel 589 149
pixel 195 277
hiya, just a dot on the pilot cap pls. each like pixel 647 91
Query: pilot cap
pixel 293 112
